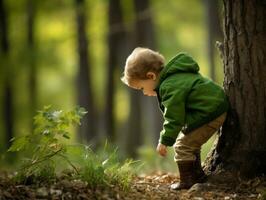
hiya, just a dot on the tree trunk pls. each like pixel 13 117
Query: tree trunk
pixel 145 117
pixel 32 62
pixel 3 28
pixel 85 99
pixel 117 49
pixel 8 93
pixel 241 146
pixel 135 124
pixel 145 37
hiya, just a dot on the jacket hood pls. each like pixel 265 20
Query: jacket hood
pixel 181 63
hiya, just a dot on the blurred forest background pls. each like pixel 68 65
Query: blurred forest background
pixel 72 52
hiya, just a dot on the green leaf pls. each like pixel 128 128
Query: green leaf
pixel 19 144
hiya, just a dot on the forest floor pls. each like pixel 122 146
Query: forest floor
pixel 150 187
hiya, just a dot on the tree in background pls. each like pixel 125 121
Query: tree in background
pixel 241 146
pixel 87 130
pixel 145 37
pixel 117 50
pixel 144 116
pixel 47 25
pixel 213 32
pixel 31 14
pixel 8 93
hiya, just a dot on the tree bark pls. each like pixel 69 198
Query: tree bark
pixel 8 93
pixel 241 146
pixel 87 131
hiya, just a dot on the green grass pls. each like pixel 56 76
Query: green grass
pixel 102 168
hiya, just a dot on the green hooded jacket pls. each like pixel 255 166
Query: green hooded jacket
pixel 186 98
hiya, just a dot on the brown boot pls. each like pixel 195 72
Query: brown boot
pixel 199 173
pixel 187 175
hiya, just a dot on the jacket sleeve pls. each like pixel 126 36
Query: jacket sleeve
pixel 173 101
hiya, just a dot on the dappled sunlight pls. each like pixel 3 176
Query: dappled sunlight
pixel 55 60
pixel 122 104
pixel 54 28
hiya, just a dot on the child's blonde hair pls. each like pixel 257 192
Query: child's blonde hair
pixel 141 61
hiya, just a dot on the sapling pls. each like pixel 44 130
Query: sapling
pixel 45 144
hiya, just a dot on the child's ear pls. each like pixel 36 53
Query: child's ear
pixel 151 75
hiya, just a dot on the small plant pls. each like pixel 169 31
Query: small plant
pixel 43 149
pixel 45 144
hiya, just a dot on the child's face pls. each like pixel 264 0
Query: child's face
pixel 147 86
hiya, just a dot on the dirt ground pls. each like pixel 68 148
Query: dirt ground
pixel 150 187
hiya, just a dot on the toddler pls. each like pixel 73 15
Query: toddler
pixel 193 107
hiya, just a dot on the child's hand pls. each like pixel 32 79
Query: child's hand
pixel 162 149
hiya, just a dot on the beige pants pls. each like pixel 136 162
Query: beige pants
pixel 187 145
